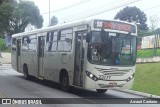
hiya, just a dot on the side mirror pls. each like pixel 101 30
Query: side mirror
pixel 129 33
pixel 88 37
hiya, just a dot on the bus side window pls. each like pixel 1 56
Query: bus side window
pixel 51 41
pixel 25 43
pixel 54 43
pixel 59 35
pixel 32 42
pixel 47 39
pixel 65 40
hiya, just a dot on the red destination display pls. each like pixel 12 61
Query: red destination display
pixel 115 26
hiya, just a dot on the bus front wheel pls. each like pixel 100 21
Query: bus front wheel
pixel 65 83
pixel 101 91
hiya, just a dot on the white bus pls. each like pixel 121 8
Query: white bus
pixel 89 54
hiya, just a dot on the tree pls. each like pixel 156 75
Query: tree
pixel 154 20
pixel 133 14
pixel 25 13
pixel 54 21
pixel 2 44
pixel 17 16
pixel 6 10
pixel 8 1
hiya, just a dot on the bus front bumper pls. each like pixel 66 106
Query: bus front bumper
pixel 101 84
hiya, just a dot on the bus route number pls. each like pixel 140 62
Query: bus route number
pixel 104 77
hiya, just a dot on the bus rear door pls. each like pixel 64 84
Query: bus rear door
pixel 41 44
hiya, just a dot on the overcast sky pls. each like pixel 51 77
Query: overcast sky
pixel 80 8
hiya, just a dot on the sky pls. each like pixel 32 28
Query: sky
pixel 69 10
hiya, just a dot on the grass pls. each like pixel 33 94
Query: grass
pixel 147 78
pixel 147 53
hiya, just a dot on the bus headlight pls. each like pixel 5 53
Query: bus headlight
pixel 92 76
pixel 131 77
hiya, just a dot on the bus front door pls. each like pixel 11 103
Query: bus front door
pixel 19 55
pixel 79 58
pixel 41 44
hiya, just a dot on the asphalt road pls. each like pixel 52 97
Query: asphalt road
pixel 13 85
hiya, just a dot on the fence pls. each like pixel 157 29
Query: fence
pixel 150 42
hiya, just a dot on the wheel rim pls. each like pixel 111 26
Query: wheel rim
pixel 65 83
pixel 25 72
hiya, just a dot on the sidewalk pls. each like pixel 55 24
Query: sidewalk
pixel 139 93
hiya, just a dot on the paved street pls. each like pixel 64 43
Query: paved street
pixel 13 85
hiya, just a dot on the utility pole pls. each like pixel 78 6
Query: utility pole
pixel 49 13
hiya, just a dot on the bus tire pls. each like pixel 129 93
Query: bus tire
pixel 25 72
pixel 65 83
pixel 101 91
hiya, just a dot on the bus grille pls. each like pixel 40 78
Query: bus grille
pixel 108 86
pixel 113 72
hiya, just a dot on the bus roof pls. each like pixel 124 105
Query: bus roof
pixel 62 26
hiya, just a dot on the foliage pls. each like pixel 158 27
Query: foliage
pixel 8 1
pixel 146 78
pixel 25 13
pixel 54 21
pixel 7 49
pixel 17 16
pixel 144 33
pixel 154 20
pixel 2 44
pixel 6 10
pixel 157 30
pixel 133 14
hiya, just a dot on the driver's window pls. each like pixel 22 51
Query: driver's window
pixel 96 37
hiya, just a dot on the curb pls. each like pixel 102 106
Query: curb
pixel 139 93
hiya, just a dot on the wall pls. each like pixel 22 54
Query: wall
pixel 6 58
pixel 144 60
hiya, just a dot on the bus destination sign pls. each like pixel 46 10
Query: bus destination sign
pixel 114 25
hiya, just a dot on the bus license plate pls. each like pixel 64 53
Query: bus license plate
pixel 104 77
pixel 112 84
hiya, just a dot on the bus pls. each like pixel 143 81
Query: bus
pixel 89 54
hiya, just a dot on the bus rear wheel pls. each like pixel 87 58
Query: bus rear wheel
pixel 25 72
pixel 65 83
pixel 101 91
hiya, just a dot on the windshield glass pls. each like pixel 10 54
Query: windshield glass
pixel 109 48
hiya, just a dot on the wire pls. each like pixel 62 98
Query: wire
pixel 151 7
pixel 91 10
pixel 70 6
pixel 93 13
pixel 96 8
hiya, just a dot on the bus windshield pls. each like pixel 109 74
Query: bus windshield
pixel 107 48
